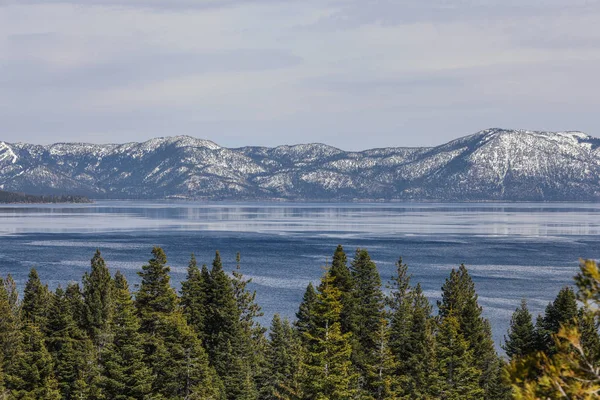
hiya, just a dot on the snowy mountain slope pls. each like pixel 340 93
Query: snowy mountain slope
pixel 494 164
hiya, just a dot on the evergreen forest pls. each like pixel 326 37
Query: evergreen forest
pixel 22 198
pixel 355 336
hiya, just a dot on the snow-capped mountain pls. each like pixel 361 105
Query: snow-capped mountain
pixel 494 164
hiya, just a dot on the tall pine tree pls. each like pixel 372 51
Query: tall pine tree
pixel 284 357
pixel 36 300
pixel 344 281
pixel 177 358
pixel 328 366
pixel 225 338
pixel 418 358
pixel 305 315
pixel 458 375
pixel 125 376
pixel 13 295
pixel 366 316
pixel 562 311
pixel 71 349
pixel 459 298
pixel 253 340
pixel 399 302
pixel 156 296
pixel 10 333
pixel 382 372
pixel 97 299
pixel 193 296
pixel 521 334
pixel 30 373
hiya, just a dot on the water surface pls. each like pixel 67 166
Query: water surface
pixel 513 250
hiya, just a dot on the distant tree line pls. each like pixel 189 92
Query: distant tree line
pixel 351 339
pixel 11 197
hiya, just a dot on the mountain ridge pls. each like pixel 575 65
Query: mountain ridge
pixel 493 164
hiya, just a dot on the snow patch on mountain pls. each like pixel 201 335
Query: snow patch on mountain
pixel 7 154
pixel 494 164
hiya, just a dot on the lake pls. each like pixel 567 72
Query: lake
pixel 512 250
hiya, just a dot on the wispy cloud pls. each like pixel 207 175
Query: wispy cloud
pixel 400 72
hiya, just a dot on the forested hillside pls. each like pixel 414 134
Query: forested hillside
pixel 10 197
pixel 351 339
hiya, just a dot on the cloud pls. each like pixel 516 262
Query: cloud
pixel 400 72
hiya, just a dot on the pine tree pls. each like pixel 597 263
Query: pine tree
pixel 459 298
pixel 562 311
pixel 570 371
pixel 71 349
pixel 366 315
pixel 97 301
pixel 459 378
pixel 400 306
pixel 246 301
pixel 418 358
pixel 381 373
pixel 10 333
pixel 498 387
pixel 225 338
pixel 13 295
pixel 172 349
pixel 284 357
pixel 590 336
pixel 30 373
pixel 36 300
pixel 305 315
pixel 156 296
pixel 328 366
pixel 74 298
pixel 521 334
pixel 252 341
pixel 343 280
pixel 125 376
pixel 193 296
pixel 179 363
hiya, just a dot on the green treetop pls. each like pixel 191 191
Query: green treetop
pixel 71 349
pixel 155 296
pixel 344 281
pixel 10 332
pixel 305 315
pixel 30 373
pixel 459 299
pixel 418 360
pixel 521 334
pixel 284 357
pixel 367 313
pixel 172 349
pixel 125 376
pixel 328 365
pixel 97 298
pixel 193 297
pixel 459 378
pixel 36 300
pixel 562 311
pixel 225 337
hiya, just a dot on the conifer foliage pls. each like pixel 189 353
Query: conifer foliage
pixel 521 339
pixel 350 339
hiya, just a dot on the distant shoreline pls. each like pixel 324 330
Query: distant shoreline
pixel 23 198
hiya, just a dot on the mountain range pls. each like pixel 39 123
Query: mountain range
pixel 494 164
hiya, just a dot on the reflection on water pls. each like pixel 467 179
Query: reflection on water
pixel 529 219
pixel 513 250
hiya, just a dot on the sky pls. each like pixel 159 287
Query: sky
pixel 354 74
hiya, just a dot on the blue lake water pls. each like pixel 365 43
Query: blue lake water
pixel 513 250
